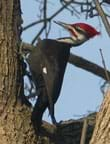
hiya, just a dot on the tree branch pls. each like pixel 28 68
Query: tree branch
pixel 69 130
pixel 38 35
pixel 47 19
pixel 103 16
pixel 88 66
pixel 106 1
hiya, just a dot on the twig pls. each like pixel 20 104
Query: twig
pixel 49 28
pixel 47 19
pixel 61 9
pixel 84 131
pixel 81 3
pixel 37 36
pixel 103 16
pixel 87 9
pixel 33 24
pixel 106 1
pixel 105 68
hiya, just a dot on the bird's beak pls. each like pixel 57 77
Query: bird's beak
pixel 67 27
pixel 64 25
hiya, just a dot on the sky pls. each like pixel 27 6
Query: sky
pixel 80 94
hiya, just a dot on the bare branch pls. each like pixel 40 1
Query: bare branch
pixel 103 62
pixel 88 66
pixel 106 1
pixel 103 16
pixel 47 19
pixel 38 35
pixel 84 131
pixel 33 24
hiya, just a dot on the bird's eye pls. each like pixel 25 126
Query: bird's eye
pixel 79 29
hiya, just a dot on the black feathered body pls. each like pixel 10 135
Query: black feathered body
pixel 47 64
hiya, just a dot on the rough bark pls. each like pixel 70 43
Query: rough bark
pixel 101 133
pixel 15 121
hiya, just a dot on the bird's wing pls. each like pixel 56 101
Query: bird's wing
pixel 54 58
pixel 51 74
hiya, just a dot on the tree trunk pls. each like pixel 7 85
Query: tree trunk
pixel 15 120
pixel 101 133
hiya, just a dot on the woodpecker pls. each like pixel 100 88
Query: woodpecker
pixel 47 64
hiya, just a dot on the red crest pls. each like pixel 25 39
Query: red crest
pixel 91 31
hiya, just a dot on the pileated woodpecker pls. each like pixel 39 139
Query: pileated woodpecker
pixel 47 64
